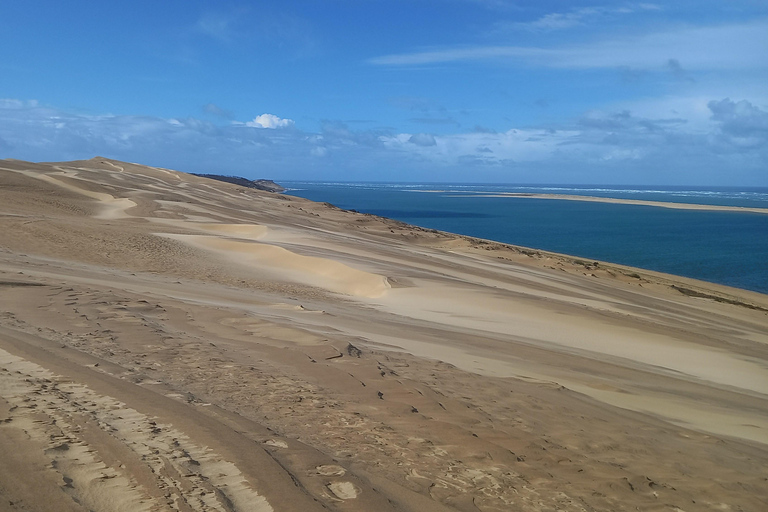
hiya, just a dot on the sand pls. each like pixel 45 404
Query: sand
pixel 613 200
pixel 168 342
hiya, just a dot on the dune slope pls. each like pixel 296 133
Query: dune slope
pixel 169 342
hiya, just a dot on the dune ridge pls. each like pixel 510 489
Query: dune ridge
pixel 197 345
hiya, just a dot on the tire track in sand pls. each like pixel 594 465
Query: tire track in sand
pixel 54 412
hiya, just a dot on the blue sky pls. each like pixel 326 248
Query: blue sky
pixel 667 93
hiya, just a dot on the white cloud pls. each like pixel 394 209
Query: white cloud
pixel 573 18
pixel 216 25
pixel 213 27
pixel 319 151
pixel 269 121
pixel 470 53
pixel 725 47
pixel 9 103
pixel 213 109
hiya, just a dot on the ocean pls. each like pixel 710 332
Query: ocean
pixel 729 248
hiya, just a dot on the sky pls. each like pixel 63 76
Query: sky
pixel 483 91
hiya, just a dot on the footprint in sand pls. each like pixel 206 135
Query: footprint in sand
pixel 344 490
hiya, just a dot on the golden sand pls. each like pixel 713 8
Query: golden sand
pixel 168 342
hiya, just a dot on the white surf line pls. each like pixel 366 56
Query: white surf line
pixel 208 483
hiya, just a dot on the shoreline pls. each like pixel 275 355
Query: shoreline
pixel 671 276
pixel 691 286
pixel 611 200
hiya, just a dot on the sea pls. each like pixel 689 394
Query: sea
pixel 724 247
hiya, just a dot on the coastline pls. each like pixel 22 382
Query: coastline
pixel 719 244
pixel 445 371
pixel 595 199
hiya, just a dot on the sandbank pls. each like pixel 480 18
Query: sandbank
pixel 612 200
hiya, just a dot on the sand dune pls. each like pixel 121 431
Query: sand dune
pixel 169 342
pixel 321 272
pixel 111 207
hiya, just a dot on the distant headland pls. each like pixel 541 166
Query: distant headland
pixel 268 185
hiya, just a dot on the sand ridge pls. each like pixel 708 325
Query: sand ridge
pixel 111 207
pixel 274 352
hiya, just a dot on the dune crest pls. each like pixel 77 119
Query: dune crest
pixel 111 207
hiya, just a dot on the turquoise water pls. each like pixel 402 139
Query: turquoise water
pixel 729 248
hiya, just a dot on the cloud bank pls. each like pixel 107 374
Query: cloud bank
pixel 728 145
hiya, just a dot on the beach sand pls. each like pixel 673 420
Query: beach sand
pixel 612 200
pixel 170 342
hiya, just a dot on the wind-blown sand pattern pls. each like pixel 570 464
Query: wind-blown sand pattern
pixel 169 342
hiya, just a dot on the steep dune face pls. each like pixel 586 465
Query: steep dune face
pixel 168 342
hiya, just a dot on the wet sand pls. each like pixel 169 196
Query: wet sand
pixel 169 342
